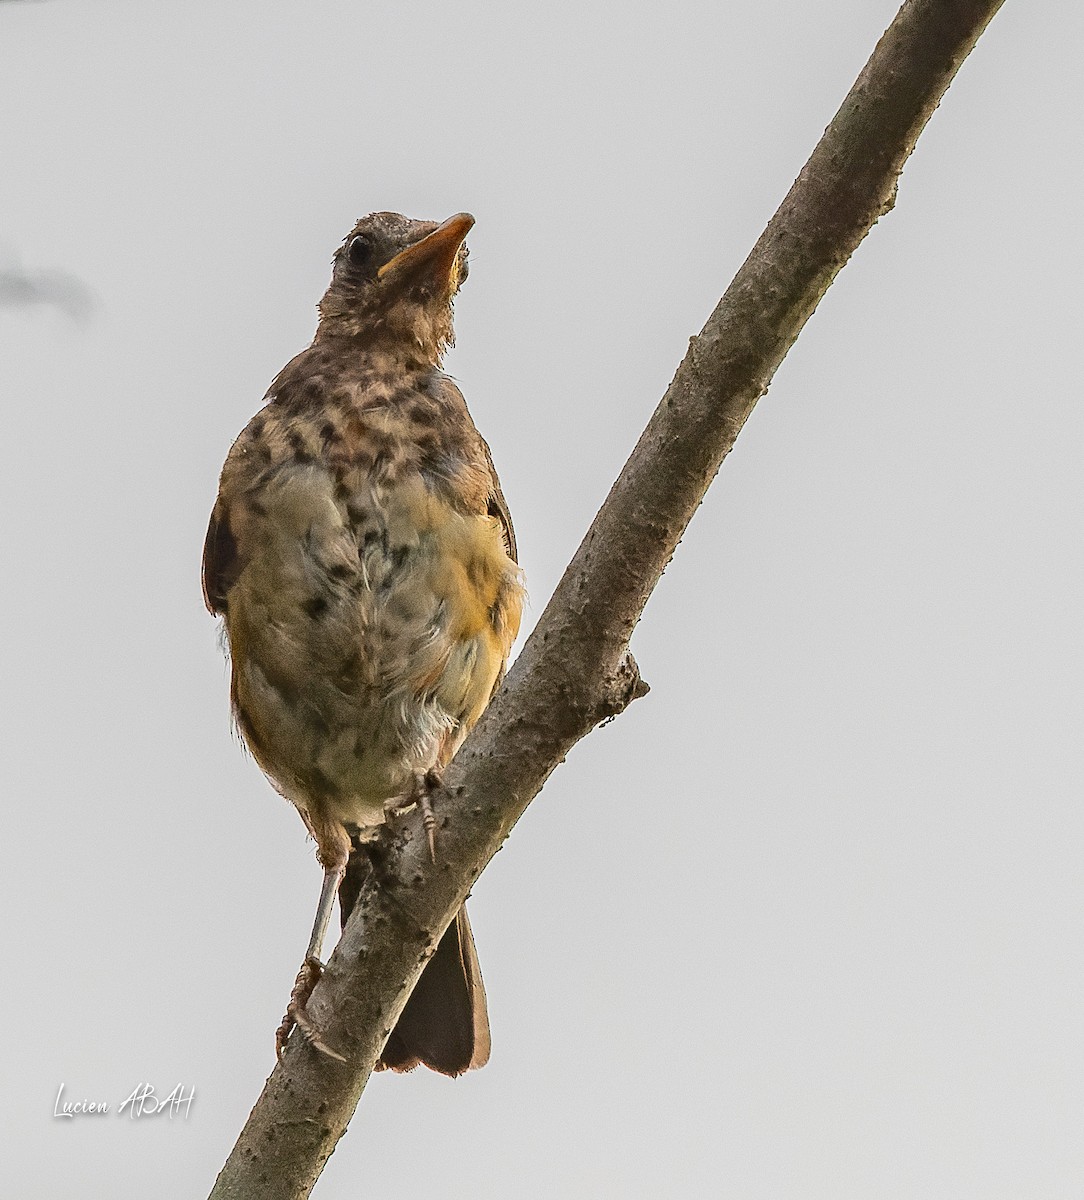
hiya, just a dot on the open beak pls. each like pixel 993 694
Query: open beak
pixel 435 255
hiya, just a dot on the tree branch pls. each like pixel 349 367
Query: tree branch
pixel 575 669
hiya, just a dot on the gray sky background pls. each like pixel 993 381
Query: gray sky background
pixel 803 923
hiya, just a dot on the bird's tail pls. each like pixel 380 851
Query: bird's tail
pixel 445 1023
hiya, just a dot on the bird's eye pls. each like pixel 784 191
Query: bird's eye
pixel 359 250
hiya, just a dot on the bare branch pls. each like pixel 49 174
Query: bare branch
pixel 575 669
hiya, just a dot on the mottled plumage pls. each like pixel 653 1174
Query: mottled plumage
pixel 363 559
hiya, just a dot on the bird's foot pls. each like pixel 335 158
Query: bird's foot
pixel 425 782
pixel 297 1015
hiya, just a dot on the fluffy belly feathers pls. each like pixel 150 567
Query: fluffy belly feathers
pixel 367 630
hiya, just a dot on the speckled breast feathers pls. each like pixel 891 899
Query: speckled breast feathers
pixel 363 559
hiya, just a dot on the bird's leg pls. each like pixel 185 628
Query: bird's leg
pixel 333 851
pixel 422 784
pixel 425 783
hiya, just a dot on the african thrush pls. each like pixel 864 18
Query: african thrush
pixel 362 557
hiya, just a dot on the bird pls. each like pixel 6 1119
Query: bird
pixel 362 557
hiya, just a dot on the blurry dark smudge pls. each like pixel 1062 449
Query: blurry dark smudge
pixel 57 289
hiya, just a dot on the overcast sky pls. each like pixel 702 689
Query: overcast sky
pixel 806 922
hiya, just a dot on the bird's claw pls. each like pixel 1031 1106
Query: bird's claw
pixel 297 1016
pixel 424 783
pixel 429 823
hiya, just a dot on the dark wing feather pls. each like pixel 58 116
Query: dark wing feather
pixel 221 561
pixel 497 506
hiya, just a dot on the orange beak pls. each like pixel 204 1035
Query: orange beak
pixel 436 253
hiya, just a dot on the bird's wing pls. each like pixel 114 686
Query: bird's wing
pixel 456 412
pixel 497 506
pixel 221 561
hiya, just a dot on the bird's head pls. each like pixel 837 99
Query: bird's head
pixel 393 283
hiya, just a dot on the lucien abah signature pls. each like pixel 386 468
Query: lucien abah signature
pixel 143 1102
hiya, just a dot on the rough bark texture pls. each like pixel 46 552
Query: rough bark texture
pixel 575 670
